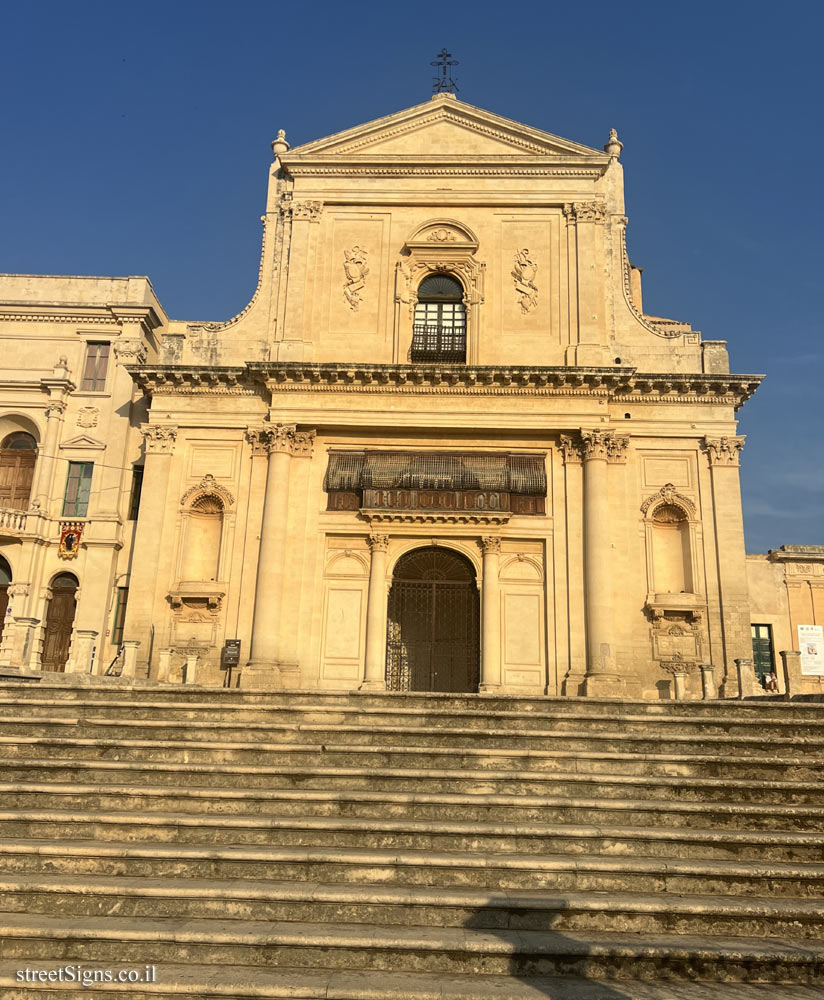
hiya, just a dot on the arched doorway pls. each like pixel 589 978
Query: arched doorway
pixel 59 622
pixel 5 581
pixel 433 628
pixel 18 456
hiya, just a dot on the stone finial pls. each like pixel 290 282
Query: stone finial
pixel 280 145
pixel 614 144
pixel 61 369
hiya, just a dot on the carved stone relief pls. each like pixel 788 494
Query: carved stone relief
pixel 524 273
pixel 87 416
pixel 355 271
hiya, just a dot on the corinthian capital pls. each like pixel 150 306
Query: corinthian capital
pixel 724 450
pixel 281 438
pixel 159 440
pixel 605 445
pixel 310 210
pixel 491 545
pixel 378 543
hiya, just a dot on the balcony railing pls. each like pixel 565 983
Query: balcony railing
pixel 433 342
pixel 12 519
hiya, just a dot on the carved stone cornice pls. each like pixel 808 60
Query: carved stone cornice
pixel 621 384
pixel 491 545
pixel 130 350
pixel 378 543
pixel 606 445
pixel 668 495
pixel 724 450
pixel 159 439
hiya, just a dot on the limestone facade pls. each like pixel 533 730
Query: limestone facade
pixel 559 468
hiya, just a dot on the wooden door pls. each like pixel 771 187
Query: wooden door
pixel 18 455
pixel 59 623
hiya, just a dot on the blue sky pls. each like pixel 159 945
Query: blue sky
pixel 136 141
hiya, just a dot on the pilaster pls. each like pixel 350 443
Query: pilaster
pixel 490 616
pixel 375 667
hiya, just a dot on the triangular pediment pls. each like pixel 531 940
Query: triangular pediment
pixel 84 442
pixel 442 127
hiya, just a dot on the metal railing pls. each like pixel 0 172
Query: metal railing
pixel 438 342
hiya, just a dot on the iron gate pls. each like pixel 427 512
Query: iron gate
pixel 433 624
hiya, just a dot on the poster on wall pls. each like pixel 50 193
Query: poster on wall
pixel 811 644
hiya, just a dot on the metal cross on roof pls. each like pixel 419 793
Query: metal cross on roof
pixel 443 83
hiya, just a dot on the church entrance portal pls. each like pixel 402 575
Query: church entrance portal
pixel 433 629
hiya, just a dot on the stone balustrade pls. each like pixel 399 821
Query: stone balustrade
pixel 12 519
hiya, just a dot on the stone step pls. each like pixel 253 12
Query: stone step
pixel 406 834
pixel 615 739
pixel 311 902
pixel 429 780
pixel 205 713
pixel 90 752
pixel 396 867
pixel 72 688
pixel 292 944
pixel 481 805
pixel 227 982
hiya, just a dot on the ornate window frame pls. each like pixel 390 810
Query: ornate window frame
pixel 443 246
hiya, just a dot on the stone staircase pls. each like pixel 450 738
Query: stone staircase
pixel 412 847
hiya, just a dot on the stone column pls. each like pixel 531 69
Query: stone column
pixel 19 642
pixel 81 651
pixel 130 647
pixel 281 441
pixel 374 678
pixel 747 684
pixel 490 616
pixel 730 556
pixel 708 688
pixel 164 664
pixel 791 664
pixel 597 448
pixel 47 454
pixel 143 581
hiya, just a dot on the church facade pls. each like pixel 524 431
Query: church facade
pixel 443 448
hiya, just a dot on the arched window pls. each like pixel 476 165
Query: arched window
pixel 439 328
pixel 672 565
pixel 18 455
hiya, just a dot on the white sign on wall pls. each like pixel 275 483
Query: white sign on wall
pixel 811 644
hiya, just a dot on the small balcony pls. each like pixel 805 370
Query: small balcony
pixel 436 342
pixel 12 521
